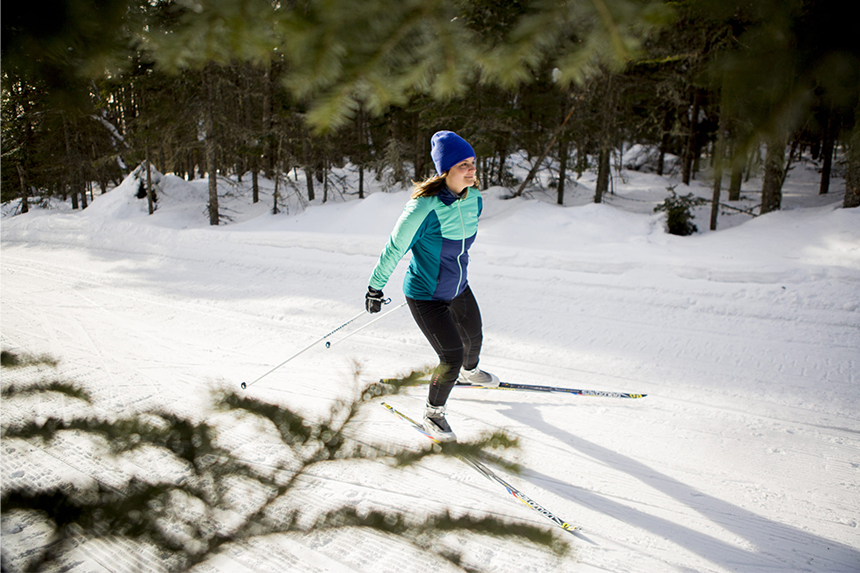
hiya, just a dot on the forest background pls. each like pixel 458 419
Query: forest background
pixel 92 89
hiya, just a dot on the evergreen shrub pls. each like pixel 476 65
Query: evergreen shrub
pixel 202 494
pixel 679 217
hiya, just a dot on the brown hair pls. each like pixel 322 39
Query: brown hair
pixel 432 186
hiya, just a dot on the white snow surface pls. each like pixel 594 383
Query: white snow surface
pixel 744 456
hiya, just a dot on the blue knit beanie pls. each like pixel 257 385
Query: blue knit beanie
pixel 448 149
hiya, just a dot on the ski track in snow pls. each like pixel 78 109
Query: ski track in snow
pixel 745 456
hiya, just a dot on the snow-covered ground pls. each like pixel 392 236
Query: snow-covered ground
pixel 744 456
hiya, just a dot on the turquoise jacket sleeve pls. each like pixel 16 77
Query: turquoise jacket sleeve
pixel 400 241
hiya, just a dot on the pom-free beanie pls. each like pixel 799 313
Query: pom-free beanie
pixel 447 149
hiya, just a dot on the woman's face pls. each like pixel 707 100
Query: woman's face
pixel 460 176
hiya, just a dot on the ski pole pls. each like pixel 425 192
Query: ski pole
pixel 329 343
pixel 309 346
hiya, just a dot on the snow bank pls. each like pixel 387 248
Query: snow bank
pixel 743 457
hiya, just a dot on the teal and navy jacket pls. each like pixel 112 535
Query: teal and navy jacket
pixel 439 230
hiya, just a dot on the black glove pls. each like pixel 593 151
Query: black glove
pixel 373 300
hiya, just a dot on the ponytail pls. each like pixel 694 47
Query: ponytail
pixel 432 186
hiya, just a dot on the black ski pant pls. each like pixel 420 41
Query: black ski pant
pixel 454 330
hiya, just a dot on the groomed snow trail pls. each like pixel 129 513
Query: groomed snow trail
pixel 745 456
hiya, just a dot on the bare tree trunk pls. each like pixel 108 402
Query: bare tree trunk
pixel 604 155
pixel 483 176
pixel 739 161
pixel 25 204
pixel 718 179
pixel 255 176
pixel 190 165
pixel 603 168
pixel 149 193
pixel 691 138
pixel 267 121
pixel 719 161
pixel 309 172
pixel 852 175
pixel 275 194
pixel 827 152
pixel 213 181
pixel 325 181
pixel 581 159
pixel 82 174
pixel 563 147
pixel 143 112
pixel 664 143
pixel 209 145
pixel 69 171
pixel 774 174
pixel 420 154
pixel 309 177
pixel 362 146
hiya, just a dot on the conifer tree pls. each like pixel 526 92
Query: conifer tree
pixel 204 495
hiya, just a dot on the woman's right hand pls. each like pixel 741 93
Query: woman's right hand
pixel 373 300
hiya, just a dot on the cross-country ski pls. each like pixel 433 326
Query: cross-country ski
pixel 490 474
pixel 552 389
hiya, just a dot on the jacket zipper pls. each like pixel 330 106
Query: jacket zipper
pixel 462 246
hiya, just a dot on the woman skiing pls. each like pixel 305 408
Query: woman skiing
pixel 438 225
